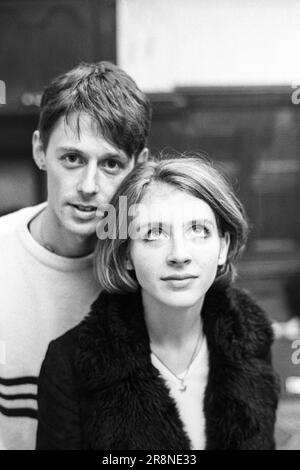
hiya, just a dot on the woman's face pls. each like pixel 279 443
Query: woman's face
pixel 178 250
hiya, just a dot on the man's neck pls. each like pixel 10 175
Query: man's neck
pixel 57 240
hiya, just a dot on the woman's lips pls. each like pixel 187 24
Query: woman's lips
pixel 178 282
pixel 178 277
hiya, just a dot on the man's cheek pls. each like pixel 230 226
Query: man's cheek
pixel 109 190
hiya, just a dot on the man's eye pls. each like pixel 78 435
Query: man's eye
pixel 112 166
pixel 72 159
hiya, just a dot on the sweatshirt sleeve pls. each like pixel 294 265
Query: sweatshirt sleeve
pixel 59 426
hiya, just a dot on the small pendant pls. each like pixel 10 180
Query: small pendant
pixel 182 386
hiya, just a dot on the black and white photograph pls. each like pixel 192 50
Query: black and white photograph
pixel 149 227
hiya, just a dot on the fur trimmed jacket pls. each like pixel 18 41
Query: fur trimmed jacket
pixel 98 388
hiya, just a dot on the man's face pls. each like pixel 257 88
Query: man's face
pixel 83 172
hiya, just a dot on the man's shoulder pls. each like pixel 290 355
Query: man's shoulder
pixel 9 222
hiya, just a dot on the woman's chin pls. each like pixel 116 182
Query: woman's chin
pixel 180 300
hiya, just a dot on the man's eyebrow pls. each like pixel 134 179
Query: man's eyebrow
pixel 70 149
pixel 108 154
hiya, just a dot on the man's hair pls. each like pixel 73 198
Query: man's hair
pixel 193 175
pixel 121 111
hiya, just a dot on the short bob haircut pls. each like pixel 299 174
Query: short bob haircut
pixel 194 175
pixel 120 110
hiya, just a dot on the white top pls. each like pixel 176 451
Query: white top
pixel 42 295
pixel 190 402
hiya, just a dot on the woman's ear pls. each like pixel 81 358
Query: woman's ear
pixel 38 151
pixel 128 263
pixel 224 247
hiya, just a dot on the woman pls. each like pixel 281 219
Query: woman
pixel 172 356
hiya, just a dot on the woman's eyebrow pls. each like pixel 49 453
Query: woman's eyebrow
pixel 165 223
pixel 151 223
pixel 203 221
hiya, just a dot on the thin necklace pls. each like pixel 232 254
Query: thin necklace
pixel 181 380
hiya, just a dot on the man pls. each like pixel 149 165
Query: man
pixel 93 128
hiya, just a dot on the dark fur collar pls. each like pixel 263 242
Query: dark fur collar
pixel 128 404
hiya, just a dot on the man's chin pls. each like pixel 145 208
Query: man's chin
pixel 84 229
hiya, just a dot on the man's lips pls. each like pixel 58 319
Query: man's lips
pixel 178 277
pixel 85 207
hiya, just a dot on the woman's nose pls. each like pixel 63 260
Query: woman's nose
pixel 179 253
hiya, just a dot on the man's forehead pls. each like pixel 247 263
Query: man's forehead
pixel 75 125
pixel 79 129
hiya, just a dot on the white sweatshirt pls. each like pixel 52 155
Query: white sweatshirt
pixel 42 295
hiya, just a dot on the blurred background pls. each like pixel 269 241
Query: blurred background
pixel 222 76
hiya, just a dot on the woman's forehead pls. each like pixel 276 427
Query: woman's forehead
pixel 166 204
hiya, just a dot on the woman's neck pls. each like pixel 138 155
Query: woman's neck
pixel 175 334
pixel 169 325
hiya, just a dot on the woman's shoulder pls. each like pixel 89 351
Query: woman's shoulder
pixel 93 338
pixel 238 320
pixel 244 304
pixel 68 342
pixel 62 349
pixel 238 303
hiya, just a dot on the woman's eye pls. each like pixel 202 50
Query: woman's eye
pixel 199 230
pixel 156 233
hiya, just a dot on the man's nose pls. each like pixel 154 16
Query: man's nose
pixel 179 252
pixel 89 181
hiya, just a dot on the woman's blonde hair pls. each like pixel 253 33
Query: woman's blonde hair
pixel 194 175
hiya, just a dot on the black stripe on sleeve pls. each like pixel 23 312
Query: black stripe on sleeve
pixel 19 412
pixel 19 381
pixel 19 396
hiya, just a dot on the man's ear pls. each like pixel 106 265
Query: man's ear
pixel 38 151
pixel 224 247
pixel 143 156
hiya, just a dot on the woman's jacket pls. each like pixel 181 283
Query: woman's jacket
pixel 99 390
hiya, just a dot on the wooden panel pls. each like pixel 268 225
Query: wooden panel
pixel 16 164
pixel 254 135
pixel 39 40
